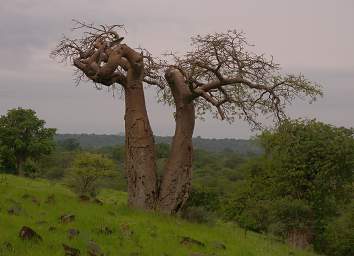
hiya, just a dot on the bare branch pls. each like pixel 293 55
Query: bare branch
pixel 237 82
pixel 96 53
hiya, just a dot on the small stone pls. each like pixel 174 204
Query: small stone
pixel 36 201
pixel 93 249
pixel 185 240
pixel 72 233
pixel 26 233
pixel 14 210
pixel 67 218
pixel 70 251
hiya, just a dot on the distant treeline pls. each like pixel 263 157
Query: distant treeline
pixel 240 146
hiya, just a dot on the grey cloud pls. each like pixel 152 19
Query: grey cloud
pixel 312 37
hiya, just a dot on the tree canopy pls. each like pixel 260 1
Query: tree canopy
pixel 299 185
pixel 23 136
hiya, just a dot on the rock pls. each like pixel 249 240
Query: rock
pixel 93 249
pixel 97 201
pixel 14 210
pixel 218 245
pixel 50 199
pixel 36 201
pixel 6 247
pixel 70 251
pixel 185 240
pixel 84 198
pixel 26 233
pixel 67 218
pixel 72 233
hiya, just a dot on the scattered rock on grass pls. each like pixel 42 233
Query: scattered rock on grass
pixel 72 233
pixel 70 251
pixel 67 218
pixel 93 249
pixel 36 201
pixel 185 240
pixel 26 233
pixel 14 210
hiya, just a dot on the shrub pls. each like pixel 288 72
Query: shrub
pixel 339 234
pixel 86 172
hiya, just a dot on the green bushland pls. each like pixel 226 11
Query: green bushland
pixel 133 231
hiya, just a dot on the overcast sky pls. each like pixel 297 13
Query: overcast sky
pixel 314 37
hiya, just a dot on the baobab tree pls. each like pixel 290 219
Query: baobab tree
pixel 219 75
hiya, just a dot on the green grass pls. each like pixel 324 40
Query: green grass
pixel 134 232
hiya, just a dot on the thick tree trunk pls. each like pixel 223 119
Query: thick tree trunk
pixel 176 181
pixel 19 166
pixel 139 141
pixel 299 238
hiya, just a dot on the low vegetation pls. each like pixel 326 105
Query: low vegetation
pixel 299 191
pixel 114 228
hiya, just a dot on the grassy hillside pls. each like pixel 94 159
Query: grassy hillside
pixel 115 228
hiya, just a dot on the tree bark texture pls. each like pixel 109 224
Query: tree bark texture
pixel 176 181
pixel 299 238
pixel 140 150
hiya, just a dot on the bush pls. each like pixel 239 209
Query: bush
pixel 86 172
pixel 31 169
pixel 339 234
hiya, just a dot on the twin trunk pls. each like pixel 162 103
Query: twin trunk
pixel 144 191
